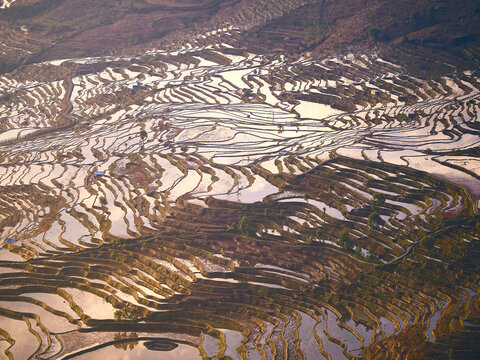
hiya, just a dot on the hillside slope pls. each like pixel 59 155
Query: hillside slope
pixel 68 28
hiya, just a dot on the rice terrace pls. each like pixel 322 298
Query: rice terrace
pixel 239 179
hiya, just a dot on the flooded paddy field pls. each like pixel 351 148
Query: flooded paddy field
pixel 211 203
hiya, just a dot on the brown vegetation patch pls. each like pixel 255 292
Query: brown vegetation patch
pixel 137 176
pixel 408 344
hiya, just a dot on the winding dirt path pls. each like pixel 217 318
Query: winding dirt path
pixel 433 234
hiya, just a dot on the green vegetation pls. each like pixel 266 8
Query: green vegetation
pixel 378 199
pixel 427 242
pixel 243 226
pixel 185 248
pixel 143 136
pixel 345 241
pixel 125 314
pixel 374 220
pixel 414 21
pixel 431 14
pixel 373 33
pixel 450 355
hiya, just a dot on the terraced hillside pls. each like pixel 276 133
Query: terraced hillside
pixel 212 201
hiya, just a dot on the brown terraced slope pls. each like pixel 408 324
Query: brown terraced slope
pixel 239 179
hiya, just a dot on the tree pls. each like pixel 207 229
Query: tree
pixel 427 242
pixel 378 199
pixel 374 220
pixel 345 240
pixel 450 355
pixel 373 32
pixel 143 135
pixel 124 314
pixel 344 235
pixel 309 240
pixel 243 226
pixel 318 236
pixel 414 21
pixel 431 12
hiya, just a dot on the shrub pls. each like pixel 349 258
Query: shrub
pixel 373 32
pixel 378 199
pixel 345 240
pixel 374 220
pixel 414 21
pixel 124 314
pixel 431 12
pixel 427 242
pixel 243 226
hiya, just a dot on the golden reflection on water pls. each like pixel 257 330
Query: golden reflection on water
pixel 137 350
